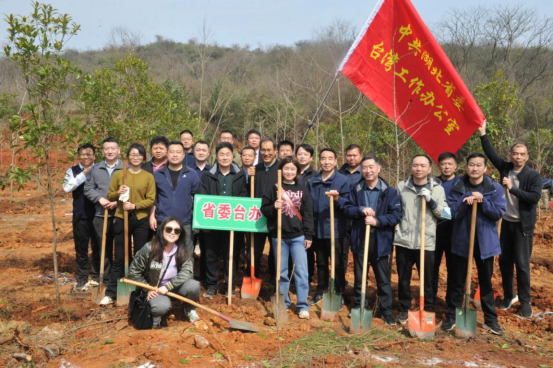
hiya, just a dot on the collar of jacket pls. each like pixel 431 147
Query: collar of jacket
pixel 522 171
pixel 165 168
pixel 362 184
pixel 319 177
pixel 233 168
pixel 432 182
pixel 487 184
pixel 344 169
pixel 118 165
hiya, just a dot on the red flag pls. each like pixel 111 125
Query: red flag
pixel 432 104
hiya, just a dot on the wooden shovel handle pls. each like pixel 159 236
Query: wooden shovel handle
pixel 279 233
pixel 126 221
pixel 365 259
pixel 332 240
pixel 252 236
pixel 423 238
pixel 471 246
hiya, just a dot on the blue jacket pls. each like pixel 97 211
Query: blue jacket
pixel 388 214
pixel 489 212
pixel 177 201
pixel 321 204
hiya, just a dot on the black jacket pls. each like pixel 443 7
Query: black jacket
pixel 308 175
pixel 264 178
pixel 529 191
pixel 209 184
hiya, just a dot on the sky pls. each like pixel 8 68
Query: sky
pixel 243 22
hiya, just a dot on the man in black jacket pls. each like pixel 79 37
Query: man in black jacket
pixel 158 149
pixel 522 187
pixel 224 179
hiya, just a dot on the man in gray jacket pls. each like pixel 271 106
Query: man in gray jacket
pixel 96 189
pixel 420 186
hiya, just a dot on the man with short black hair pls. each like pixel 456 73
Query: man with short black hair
pixel 328 185
pixel 352 168
pixel 187 140
pixel 522 186
pixel 201 156
pixel 158 149
pixel 304 154
pixel 475 187
pixel 253 139
pixel 83 216
pixel 285 148
pixel 247 156
pixel 418 187
pixel 227 136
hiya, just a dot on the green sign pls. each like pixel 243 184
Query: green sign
pixel 228 213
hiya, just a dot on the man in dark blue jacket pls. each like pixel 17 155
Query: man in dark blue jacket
pixel 522 186
pixel 329 180
pixel 475 187
pixel 175 188
pixel 374 203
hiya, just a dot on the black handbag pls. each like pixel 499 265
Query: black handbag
pixel 139 308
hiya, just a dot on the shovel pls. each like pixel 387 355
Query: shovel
pixel 279 308
pixel 332 302
pixel 362 320
pixel 422 323
pixel 230 267
pixel 99 292
pixel 251 285
pixel 238 325
pixel 124 290
pixel 465 318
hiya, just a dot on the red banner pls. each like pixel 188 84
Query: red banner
pixel 396 55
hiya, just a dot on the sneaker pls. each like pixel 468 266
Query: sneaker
pixel 80 286
pixel 388 319
pixel 93 283
pixel 193 316
pixel 507 304
pixel 526 310
pixel 316 299
pixel 233 291
pixel 493 327
pixel 106 300
pixel 304 314
pixel 402 318
pixel 197 251
pixel 156 323
pixel 210 292
pixel 448 324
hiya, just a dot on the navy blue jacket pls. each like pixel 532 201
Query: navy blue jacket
pixel 388 214
pixel 177 201
pixel 321 204
pixel 489 212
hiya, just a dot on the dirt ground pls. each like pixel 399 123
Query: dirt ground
pixel 78 333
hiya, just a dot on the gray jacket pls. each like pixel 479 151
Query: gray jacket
pixel 97 185
pixel 149 274
pixel 408 230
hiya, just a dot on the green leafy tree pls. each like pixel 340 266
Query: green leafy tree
pixel 35 43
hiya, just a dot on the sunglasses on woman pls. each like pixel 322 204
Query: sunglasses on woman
pixel 173 230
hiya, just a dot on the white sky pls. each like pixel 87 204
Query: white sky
pixel 253 22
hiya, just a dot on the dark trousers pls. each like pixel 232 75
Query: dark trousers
pixel 311 263
pixel 516 250
pixel 380 269
pixel 218 243
pixel 83 234
pixel 259 246
pixel 98 224
pixel 459 275
pixel 322 248
pixel 139 230
pixel 405 259
pixel 443 245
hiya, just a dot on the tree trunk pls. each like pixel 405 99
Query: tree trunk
pixel 54 232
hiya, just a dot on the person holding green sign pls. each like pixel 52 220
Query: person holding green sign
pixel 225 178
pixel 297 230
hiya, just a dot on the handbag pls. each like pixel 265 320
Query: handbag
pixel 140 310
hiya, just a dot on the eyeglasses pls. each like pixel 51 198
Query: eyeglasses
pixel 86 155
pixel 171 230
pixel 135 155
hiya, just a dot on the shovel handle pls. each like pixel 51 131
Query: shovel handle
pixel 103 250
pixel 365 261
pixel 126 222
pixel 423 236
pixel 332 241
pixel 471 249
pixel 252 236
pixel 279 234
pixel 230 267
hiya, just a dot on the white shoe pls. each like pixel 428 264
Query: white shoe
pixel 304 314
pixel 193 316
pixel 93 283
pixel 106 300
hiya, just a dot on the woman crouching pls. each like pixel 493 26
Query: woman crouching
pixel 166 263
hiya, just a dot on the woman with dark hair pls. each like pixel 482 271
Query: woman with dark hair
pixel 166 263
pixel 136 197
pixel 297 230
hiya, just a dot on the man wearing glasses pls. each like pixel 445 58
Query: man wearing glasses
pixel 83 214
pixel 522 186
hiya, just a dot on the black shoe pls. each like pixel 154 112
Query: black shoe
pixel 233 291
pixel 507 303
pixel 448 324
pixel 210 292
pixel 493 327
pixel 526 310
pixel 402 318
pixel 316 299
pixel 388 319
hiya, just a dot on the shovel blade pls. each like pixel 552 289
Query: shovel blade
pixel 124 293
pixel 279 310
pixel 332 303
pixel 361 320
pixel 250 288
pixel 422 324
pixel 245 326
pixel 465 323
pixel 98 293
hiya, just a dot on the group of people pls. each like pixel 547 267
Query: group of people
pixel 158 197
